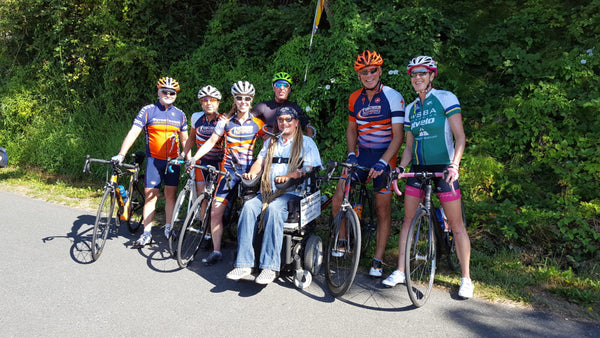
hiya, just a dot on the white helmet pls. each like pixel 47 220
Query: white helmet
pixel 423 61
pixel 209 91
pixel 242 88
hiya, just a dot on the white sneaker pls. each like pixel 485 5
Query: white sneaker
pixel 397 277
pixel 167 230
pixel 239 273
pixel 266 276
pixel 466 288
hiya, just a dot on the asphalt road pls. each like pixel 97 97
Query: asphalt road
pixel 50 287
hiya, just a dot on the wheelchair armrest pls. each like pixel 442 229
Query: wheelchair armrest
pixel 251 183
pixel 292 182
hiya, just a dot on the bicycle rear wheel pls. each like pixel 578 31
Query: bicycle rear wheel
pixel 420 258
pixel 341 259
pixel 104 221
pixel 136 207
pixel 182 206
pixel 192 232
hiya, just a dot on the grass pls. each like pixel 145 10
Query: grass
pixel 501 277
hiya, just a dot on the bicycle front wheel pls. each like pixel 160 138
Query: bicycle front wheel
pixel 192 232
pixel 136 207
pixel 420 257
pixel 104 221
pixel 180 211
pixel 343 252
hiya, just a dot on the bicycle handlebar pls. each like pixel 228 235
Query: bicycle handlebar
pixel 395 175
pixel 88 160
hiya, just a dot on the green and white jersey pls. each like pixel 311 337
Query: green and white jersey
pixel 428 122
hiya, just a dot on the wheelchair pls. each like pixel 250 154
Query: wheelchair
pixel 302 249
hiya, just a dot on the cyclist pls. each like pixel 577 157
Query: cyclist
pixel 431 122
pixel 165 126
pixel 203 126
pixel 267 110
pixel 287 158
pixel 373 137
pixel 240 130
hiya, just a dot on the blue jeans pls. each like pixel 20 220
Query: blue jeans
pixel 275 215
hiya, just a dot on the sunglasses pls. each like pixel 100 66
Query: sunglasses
pixel 285 119
pixel 209 100
pixel 243 98
pixel 281 85
pixel 168 92
pixel 419 73
pixel 367 72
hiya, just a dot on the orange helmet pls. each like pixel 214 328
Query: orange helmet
pixel 366 59
pixel 168 83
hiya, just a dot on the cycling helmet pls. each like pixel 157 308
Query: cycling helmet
pixel 366 59
pixel 242 88
pixel 424 61
pixel 167 83
pixel 209 91
pixel 282 76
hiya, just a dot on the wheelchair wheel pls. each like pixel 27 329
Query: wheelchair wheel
pixel 313 254
pixel 302 279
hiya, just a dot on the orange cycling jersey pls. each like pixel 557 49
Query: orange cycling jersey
pixel 162 127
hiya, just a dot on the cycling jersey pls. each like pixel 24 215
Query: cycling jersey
pixel 204 129
pixel 162 127
pixel 267 112
pixel 375 118
pixel 240 138
pixel 428 122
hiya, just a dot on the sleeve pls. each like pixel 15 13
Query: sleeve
pixel 409 108
pixel 141 118
pixel 195 117
pixel 220 127
pixel 311 154
pixel 450 103
pixel 265 147
pixel 396 102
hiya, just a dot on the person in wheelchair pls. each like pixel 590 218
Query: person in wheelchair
pixel 281 159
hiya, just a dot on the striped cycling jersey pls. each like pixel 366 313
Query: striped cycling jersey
pixel 162 127
pixel 428 122
pixel 375 118
pixel 240 138
pixel 204 129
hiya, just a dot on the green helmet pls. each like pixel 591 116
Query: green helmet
pixel 282 76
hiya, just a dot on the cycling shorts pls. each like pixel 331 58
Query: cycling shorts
pixel 368 158
pixel 441 187
pixel 200 174
pixel 155 174
pixel 223 189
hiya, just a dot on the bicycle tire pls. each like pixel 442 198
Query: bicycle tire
pixel 420 257
pixel 452 257
pixel 192 232
pixel 136 208
pixel 182 206
pixel 341 270
pixel 104 221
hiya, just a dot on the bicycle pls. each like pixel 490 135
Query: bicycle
pixel 423 246
pixel 197 221
pixel 130 202
pixel 345 232
pixel 183 204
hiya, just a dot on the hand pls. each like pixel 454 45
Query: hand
pixel 118 159
pixel 352 158
pixel 379 168
pixel 282 179
pixel 452 175
pixel 248 176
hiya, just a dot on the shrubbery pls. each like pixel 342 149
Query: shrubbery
pixel 74 73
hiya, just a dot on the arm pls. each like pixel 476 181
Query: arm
pixel 183 137
pixel 132 135
pixel 407 153
pixel 459 144
pixel 351 136
pixel 188 145
pixel 255 169
pixel 392 150
pixel 206 147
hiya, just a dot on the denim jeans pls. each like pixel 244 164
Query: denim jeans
pixel 275 215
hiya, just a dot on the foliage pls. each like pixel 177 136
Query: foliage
pixel 74 73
